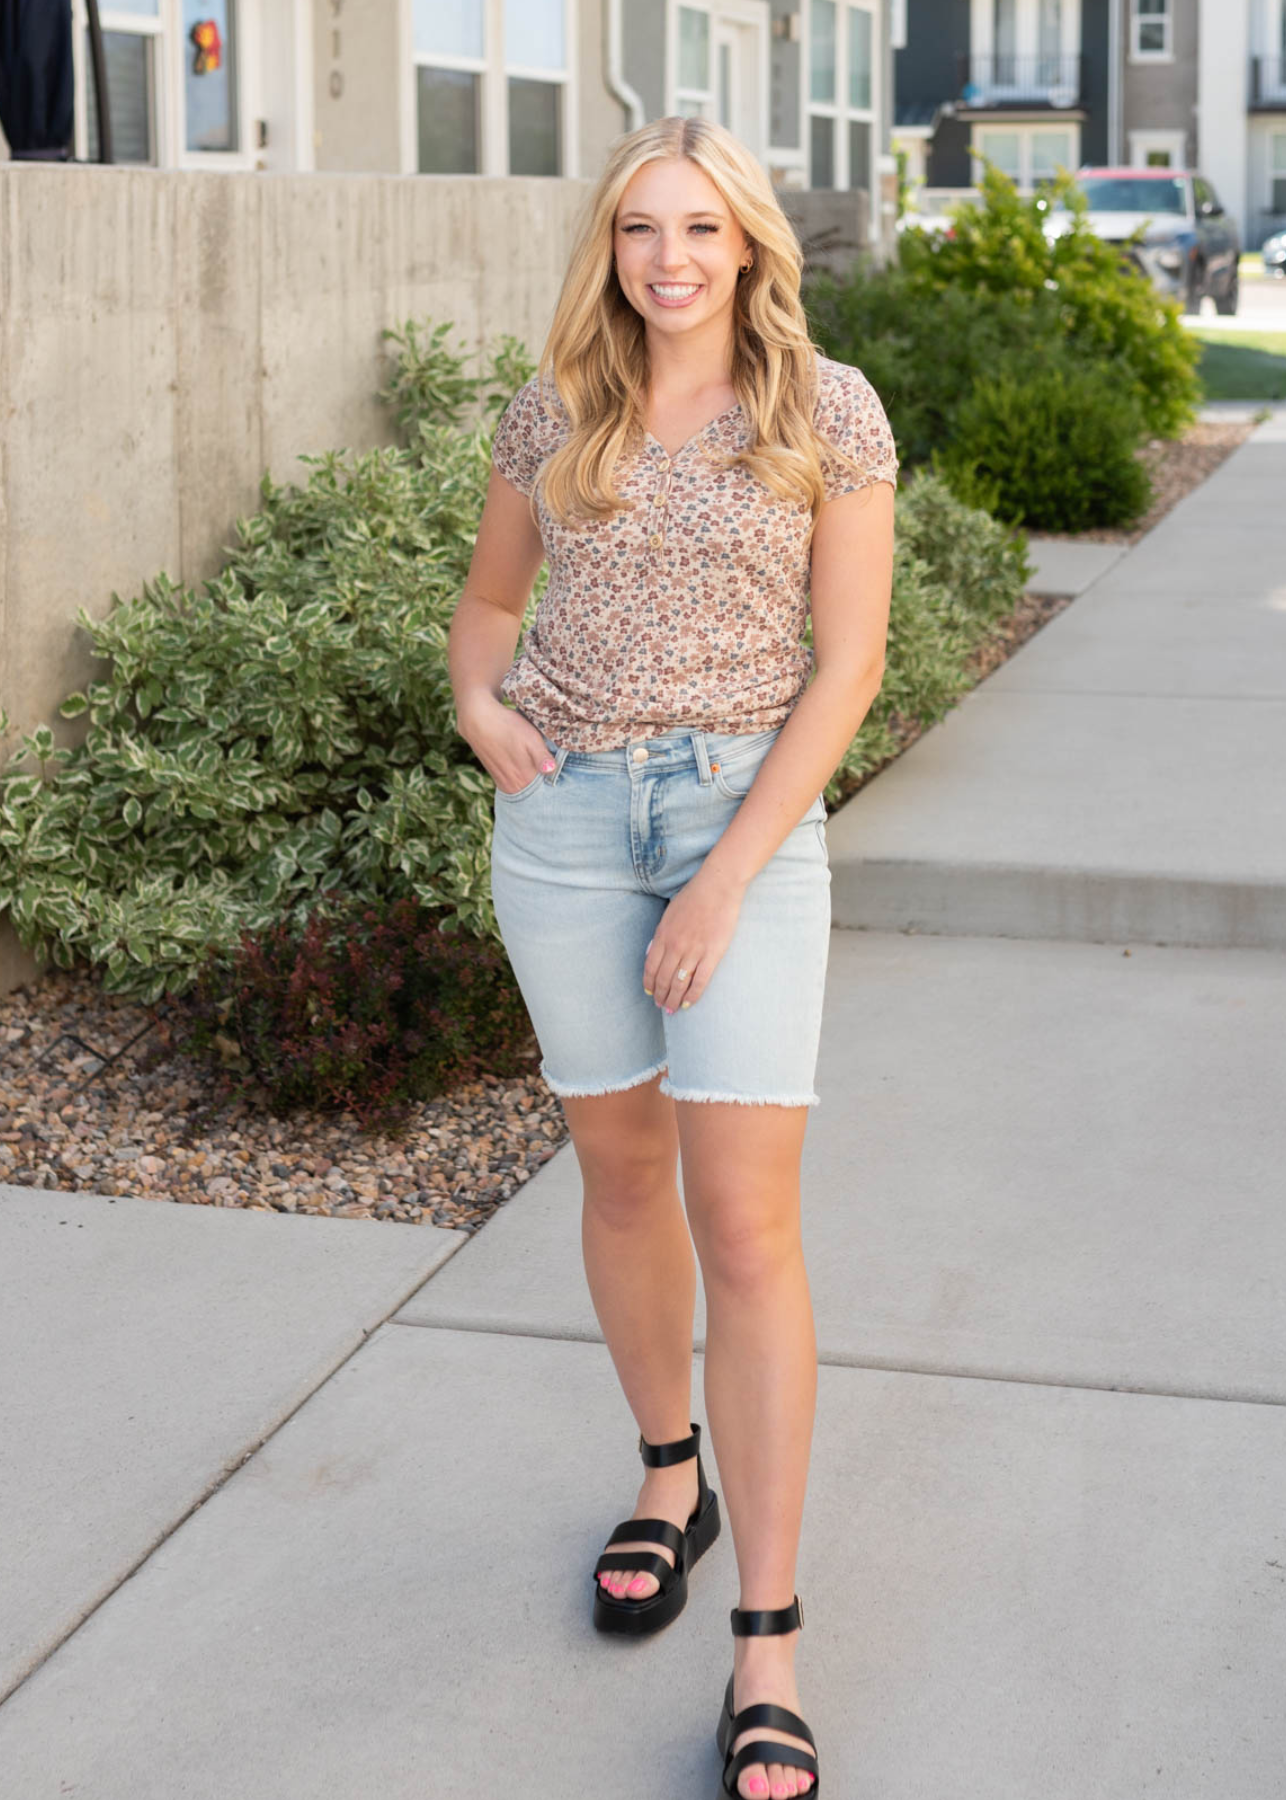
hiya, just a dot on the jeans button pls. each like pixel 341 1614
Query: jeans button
pixel 640 754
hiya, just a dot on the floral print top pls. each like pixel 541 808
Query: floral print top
pixel 689 609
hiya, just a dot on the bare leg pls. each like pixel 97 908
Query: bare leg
pixel 741 1180
pixel 642 1278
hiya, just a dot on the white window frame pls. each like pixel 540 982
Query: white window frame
pixel 839 110
pixel 493 106
pixel 1137 21
pixel 686 99
pixel 743 26
pixel 1176 142
pixel 1027 130
pixel 168 54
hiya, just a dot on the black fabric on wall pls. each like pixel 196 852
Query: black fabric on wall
pixel 36 86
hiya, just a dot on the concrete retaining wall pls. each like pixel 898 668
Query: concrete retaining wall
pixel 165 336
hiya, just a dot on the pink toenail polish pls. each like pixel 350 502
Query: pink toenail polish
pixel 637 1583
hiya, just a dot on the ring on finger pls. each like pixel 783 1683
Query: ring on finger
pixel 681 974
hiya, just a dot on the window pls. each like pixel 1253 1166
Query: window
pixel 821 51
pixel 536 62
pixel 209 75
pixel 131 40
pixel 1150 27
pixel 1004 148
pixel 1158 149
pixel 841 82
pixel 1029 155
pixel 173 80
pixel 449 69
pixel 859 59
pixel 1134 193
pixel 695 94
pixel 821 148
pixel 460 47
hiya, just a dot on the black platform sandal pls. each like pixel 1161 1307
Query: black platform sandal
pixel 658 1609
pixel 765 1712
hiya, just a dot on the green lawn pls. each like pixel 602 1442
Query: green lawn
pixel 1250 365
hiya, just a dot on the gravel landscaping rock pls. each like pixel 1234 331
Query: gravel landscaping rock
pixel 93 1099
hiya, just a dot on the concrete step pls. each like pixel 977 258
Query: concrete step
pixel 1120 778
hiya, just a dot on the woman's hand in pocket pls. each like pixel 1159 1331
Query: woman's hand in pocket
pixel 509 746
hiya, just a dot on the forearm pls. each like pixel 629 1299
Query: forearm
pixel 480 649
pixel 806 754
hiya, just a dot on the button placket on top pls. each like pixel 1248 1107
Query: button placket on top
pixel 656 524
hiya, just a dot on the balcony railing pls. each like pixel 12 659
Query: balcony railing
pixel 1268 82
pixel 1003 80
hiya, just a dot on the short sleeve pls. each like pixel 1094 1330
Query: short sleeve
pixel 849 415
pixel 525 435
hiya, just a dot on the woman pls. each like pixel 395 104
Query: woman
pixel 690 467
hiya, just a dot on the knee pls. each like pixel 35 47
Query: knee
pixel 622 1189
pixel 743 1248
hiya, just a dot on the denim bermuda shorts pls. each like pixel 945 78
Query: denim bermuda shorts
pixel 583 862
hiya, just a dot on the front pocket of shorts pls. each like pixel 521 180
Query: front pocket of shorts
pixel 734 780
pixel 522 792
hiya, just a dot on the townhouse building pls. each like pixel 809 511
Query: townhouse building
pixel 490 87
pixel 1038 84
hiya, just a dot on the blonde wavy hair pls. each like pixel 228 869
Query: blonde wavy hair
pixel 595 355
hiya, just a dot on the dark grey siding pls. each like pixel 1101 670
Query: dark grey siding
pixel 949 162
pixel 1095 53
pixel 937 33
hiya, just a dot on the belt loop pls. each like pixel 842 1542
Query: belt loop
pixel 703 757
pixel 560 757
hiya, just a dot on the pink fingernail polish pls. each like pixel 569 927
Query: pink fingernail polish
pixel 547 766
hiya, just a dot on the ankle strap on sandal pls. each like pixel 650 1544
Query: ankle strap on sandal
pixel 756 1622
pixel 660 1456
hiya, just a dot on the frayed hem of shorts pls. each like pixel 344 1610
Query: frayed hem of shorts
pixel 606 1087
pixel 741 1099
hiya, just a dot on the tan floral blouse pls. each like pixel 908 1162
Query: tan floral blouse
pixel 688 610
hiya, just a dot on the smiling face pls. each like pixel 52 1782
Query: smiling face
pixel 678 248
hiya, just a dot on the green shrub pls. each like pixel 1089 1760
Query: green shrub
pixel 955 573
pixel 285 734
pixel 365 1007
pixel 1050 448
pixel 978 570
pixel 921 351
pixel 954 312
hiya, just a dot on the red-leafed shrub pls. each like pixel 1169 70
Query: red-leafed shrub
pixel 370 1007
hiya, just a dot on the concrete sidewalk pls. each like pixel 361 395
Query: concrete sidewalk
pixel 1120 777
pixel 302 1508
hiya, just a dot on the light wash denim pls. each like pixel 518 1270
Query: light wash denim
pixel 583 862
